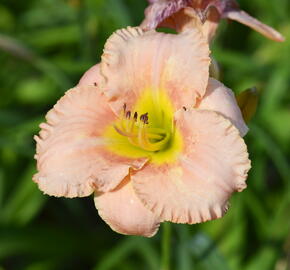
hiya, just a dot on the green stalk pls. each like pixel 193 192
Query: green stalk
pixel 166 246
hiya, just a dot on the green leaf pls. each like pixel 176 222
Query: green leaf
pixel 117 254
pixel 24 203
pixel 126 248
pixel 206 254
pixel 2 189
pixel 264 259
pixel 274 152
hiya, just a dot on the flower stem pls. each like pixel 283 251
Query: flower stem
pixel 166 246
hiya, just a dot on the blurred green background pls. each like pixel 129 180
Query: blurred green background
pixel 45 47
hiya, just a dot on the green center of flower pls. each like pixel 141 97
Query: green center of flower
pixel 147 130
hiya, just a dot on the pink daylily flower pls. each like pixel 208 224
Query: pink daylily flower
pixel 180 14
pixel 149 133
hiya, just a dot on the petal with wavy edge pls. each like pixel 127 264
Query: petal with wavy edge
pixel 221 99
pixel 197 187
pixel 91 76
pixel 71 156
pixel 123 211
pixel 134 60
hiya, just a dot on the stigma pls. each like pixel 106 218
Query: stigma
pixel 136 127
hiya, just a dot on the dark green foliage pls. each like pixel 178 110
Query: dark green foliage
pixel 45 46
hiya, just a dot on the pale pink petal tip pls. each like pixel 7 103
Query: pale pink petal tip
pixel 221 99
pixel 71 158
pixel 122 210
pixel 197 187
pixel 91 77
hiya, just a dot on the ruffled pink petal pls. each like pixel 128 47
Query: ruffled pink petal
pixel 134 60
pixel 124 212
pixel 91 76
pixel 196 188
pixel 72 160
pixel 221 99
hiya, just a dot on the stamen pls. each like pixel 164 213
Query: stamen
pixel 128 114
pixel 139 133
pixel 144 118
pixel 122 132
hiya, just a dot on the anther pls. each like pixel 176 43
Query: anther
pixel 138 134
pixel 128 114
pixel 184 108
pixel 144 118
pixel 95 84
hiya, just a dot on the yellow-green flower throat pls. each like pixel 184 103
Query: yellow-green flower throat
pixel 146 131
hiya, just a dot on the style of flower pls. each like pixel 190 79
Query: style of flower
pixel 149 133
pixel 181 14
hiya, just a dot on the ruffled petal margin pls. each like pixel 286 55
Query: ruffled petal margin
pixel 72 159
pixel 134 60
pixel 196 188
